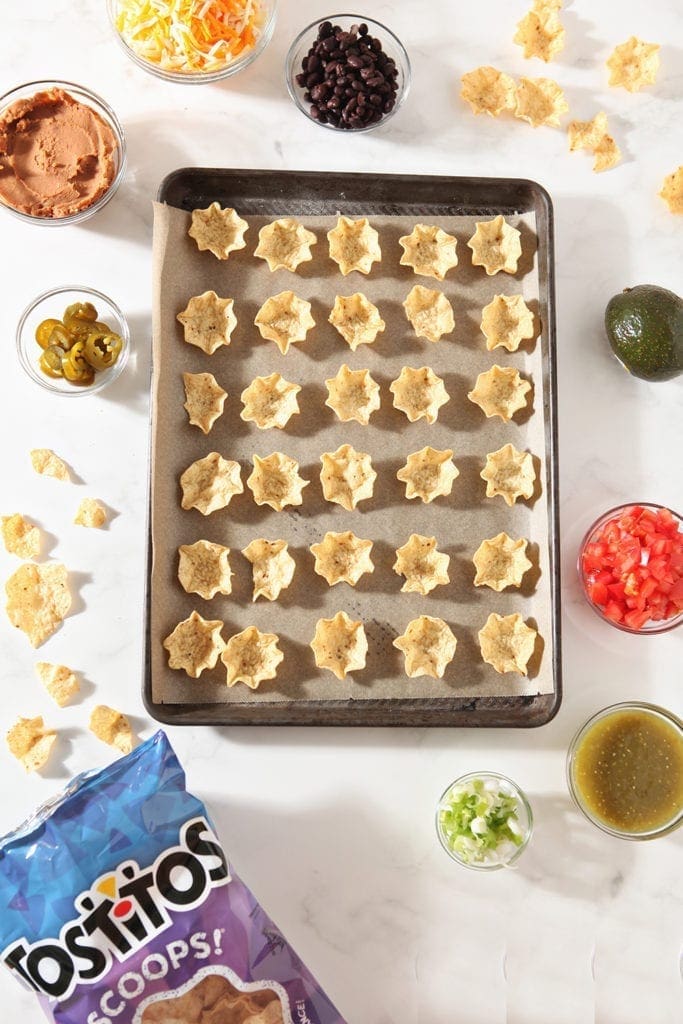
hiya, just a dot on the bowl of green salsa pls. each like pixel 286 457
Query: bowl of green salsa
pixel 625 770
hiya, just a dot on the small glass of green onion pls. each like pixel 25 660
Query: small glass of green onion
pixel 484 821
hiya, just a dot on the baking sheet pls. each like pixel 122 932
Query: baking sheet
pixel 459 522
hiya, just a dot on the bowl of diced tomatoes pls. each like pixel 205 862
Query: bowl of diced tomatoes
pixel 631 567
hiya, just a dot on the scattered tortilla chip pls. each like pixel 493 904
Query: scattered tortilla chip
pixel 419 393
pixel 488 91
pixel 428 646
pixel 496 246
pixel 672 190
pixel 59 681
pixel 429 312
pixel 21 537
pixel 342 558
pixel 272 567
pixel 285 244
pixel 204 400
pixel 423 567
pixel 357 319
pixel 540 33
pixel 195 644
pixel 354 245
pixel 221 231
pixel 593 135
pixel 607 154
pixel 210 483
pixel 46 463
pixel 110 726
pixel 510 473
pixel 38 599
pixel 428 474
pixel 507 643
pixel 251 657
pixel 500 391
pixel 284 319
pixel 340 645
pixel 275 481
pixel 540 101
pixel 429 251
pixel 506 322
pixel 634 64
pixel 31 743
pixel 204 569
pixel 208 321
pixel 270 402
pixel 91 513
pixel 500 562
pixel 347 476
pixel 352 395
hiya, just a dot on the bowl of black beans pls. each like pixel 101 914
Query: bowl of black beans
pixel 347 73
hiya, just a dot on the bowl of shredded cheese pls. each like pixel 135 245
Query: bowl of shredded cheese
pixel 193 41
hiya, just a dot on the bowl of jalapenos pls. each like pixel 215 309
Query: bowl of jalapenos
pixel 73 340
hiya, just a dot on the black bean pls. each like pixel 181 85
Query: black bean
pixel 315 112
pixel 362 29
pixel 313 63
pixel 300 80
pixel 325 29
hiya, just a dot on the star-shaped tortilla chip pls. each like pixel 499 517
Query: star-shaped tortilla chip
pixel 422 565
pixel 507 643
pixel 220 231
pixel 285 319
pixel 195 644
pixel 208 321
pixel 429 251
pixel 204 569
pixel 210 483
pixel 496 246
pixel 275 481
pixel 540 34
pixel 428 646
pixel 352 395
pixel 251 657
pixel 419 393
pixel 342 558
pixel 357 319
pixel 270 402
pixel 354 245
pixel 540 101
pixel 488 90
pixel 347 476
pixel 285 244
pixel 510 473
pixel 428 474
pixel 506 322
pixel 429 312
pixel 38 599
pixel 634 64
pixel 340 645
pixel 672 190
pixel 500 562
pixel 500 391
pixel 272 567
pixel 204 400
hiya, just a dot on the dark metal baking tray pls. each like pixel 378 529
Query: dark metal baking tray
pixel 281 193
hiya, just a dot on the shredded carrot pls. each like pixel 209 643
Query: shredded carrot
pixel 190 36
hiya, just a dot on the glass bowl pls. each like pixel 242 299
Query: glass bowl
pixel 658 714
pixel 90 99
pixel 508 853
pixel 53 304
pixel 392 45
pixel 268 7
pixel 652 626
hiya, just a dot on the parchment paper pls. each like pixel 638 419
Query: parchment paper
pixel 459 522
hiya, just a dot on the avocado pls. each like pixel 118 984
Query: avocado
pixel 645 329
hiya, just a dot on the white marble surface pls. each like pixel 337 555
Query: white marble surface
pixel 333 829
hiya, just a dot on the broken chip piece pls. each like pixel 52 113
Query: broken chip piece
pixel 342 558
pixel 251 657
pixel 352 395
pixel 46 463
pixel 495 246
pixel 208 321
pixel 59 681
pixel 347 476
pixel 428 646
pixel 506 322
pixel 91 513
pixel 357 319
pixel 354 245
pixel 488 90
pixel 500 391
pixel 270 402
pixel 429 312
pixel 510 473
pixel 593 135
pixel 507 643
pixel 419 393
pixel 429 251
pixel 428 474
pixel 204 569
pixel 210 483
pixel 634 64
pixel 220 231
pixel 672 190
pixel 20 537
pixel 340 645
pixel 422 566
pixel 500 562
pixel 275 481
pixel 540 33
pixel 540 101
pixel 38 599
pixel 110 726
pixel 285 319
pixel 204 400
pixel 285 244
pixel 195 644
pixel 272 567
pixel 30 742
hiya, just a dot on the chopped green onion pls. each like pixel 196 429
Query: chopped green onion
pixel 478 821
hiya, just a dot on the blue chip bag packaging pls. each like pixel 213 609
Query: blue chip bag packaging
pixel 121 907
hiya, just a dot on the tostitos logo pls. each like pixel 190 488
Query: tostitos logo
pixel 121 912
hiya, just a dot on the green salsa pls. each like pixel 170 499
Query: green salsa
pixel 628 770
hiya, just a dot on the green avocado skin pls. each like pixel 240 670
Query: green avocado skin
pixel 645 329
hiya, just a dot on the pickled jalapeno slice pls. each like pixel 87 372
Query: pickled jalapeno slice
pixel 51 361
pixel 44 330
pixel 102 349
pixel 75 366
pixel 79 317
pixel 77 346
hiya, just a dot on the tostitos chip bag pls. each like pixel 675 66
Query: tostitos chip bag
pixel 120 907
